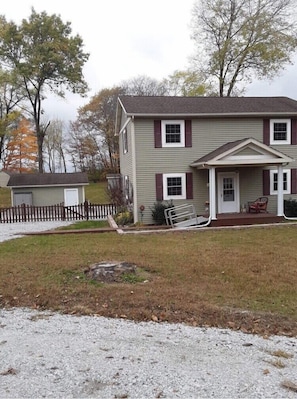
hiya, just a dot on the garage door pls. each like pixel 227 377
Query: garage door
pixel 22 198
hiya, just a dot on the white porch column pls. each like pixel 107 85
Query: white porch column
pixel 212 193
pixel 280 191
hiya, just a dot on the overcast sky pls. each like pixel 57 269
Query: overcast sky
pixel 129 38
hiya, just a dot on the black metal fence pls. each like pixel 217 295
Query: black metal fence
pixel 28 213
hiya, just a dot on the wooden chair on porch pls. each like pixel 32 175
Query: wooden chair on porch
pixel 259 205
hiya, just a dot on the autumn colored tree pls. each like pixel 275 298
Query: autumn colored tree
pixel 43 53
pixel 97 120
pixel 84 151
pixel 21 150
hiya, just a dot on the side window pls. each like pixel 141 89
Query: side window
pixel 173 133
pixel 174 186
pixel 126 187
pixel 286 181
pixel 125 141
pixel 280 131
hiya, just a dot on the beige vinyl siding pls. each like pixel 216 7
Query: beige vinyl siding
pixel 43 196
pixel 209 134
pixel 126 159
pixel 205 138
pixel 250 184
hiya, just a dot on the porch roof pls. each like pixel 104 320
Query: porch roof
pixel 245 152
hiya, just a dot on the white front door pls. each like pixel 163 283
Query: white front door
pixel 71 196
pixel 228 192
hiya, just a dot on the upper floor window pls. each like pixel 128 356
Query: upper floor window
pixel 280 131
pixel 173 133
pixel 286 181
pixel 174 186
pixel 125 141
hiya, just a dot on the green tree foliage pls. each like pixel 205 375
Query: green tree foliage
pixel 238 40
pixel 10 98
pixel 187 83
pixel 43 53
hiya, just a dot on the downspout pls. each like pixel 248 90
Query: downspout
pixel 134 179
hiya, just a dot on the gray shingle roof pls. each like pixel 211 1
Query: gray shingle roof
pixel 47 179
pixel 142 105
pixel 219 151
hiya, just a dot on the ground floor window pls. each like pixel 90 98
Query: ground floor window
pixel 174 186
pixel 286 181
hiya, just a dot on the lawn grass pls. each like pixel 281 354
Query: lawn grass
pixel 241 279
pixel 86 224
pixel 96 193
pixel 5 197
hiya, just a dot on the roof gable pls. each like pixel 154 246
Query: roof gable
pixel 243 152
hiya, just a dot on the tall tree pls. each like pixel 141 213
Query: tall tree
pixel 43 53
pixel 143 85
pixel 21 151
pixel 187 83
pixel 10 100
pixel 238 40
pixel 97 118
pixel 84 149
pixel 54 147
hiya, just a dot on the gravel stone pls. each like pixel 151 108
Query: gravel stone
pixel 51 355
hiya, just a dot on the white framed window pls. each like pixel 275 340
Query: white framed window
pixel 173 133
pixel 286 181
pixel 125 141
pixel 126 187
pixel 174 186
pixel 280 131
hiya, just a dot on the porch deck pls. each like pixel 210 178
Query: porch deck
pixel 240 219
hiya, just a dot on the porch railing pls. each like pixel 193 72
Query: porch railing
pixel 28 213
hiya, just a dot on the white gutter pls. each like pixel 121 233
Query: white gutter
pixel 208 115
pixel 125 125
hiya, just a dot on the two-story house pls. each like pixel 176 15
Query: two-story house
pixel 222 151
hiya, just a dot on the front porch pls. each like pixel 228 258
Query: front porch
pixel 241 219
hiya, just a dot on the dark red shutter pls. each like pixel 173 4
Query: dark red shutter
pixel 294 131
pixel 293 181
pixel 189 185
pixel 266 182
pixel 266 131
pixel 159 187
pixel 188 133
pixel 157 133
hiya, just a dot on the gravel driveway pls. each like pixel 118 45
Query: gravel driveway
pixel 9 231
pixel 50 355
